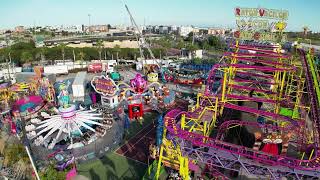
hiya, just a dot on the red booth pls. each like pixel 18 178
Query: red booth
pixel 135 110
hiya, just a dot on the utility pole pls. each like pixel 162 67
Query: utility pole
pixel 192 37
pixel 89 15
pixel 9 55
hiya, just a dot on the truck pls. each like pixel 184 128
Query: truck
pixel 78 86
pixel 95 67
pixel 109 66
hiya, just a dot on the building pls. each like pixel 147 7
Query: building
pixel 19 29
pixel 163 30
pixel 216 31
pixel 97 28
pixel 185 30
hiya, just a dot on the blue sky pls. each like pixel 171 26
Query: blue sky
pixel 167 12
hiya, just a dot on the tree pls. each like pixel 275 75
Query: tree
pixel 52 174
pixel 100 47
pixel 216 43
pixel 205 45
pixel 43 52
pixel 81 57
pixel 305 31
pixel 15 152
pixel 191 47
pixel 117 49
pixel 26 57
pixel 62 47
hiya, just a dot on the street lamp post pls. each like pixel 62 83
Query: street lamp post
pixel 89 15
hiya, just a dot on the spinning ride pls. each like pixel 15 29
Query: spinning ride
pixel 68 121
pixel 142 95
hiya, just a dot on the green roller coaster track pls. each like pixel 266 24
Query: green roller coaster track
pixel 315 74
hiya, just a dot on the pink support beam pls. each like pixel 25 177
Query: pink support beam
pixel 256 75
pixel 266 69
pixel 238 87
pixel 256 46
pixel 252 81
pixel 260 157
pixel 262 113
pixel 257 55
pixel 233 96
pixel 261 61
pixel 255 49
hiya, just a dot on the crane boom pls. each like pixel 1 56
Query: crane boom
pixel 141 40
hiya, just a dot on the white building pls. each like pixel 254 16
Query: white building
pixel 111 101
pixel 216 31
pixel 196 54
pixel 142 62
pixel 185 30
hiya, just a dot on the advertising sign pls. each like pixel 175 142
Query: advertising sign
pixel 104 86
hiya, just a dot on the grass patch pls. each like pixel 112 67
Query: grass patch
pixel 113 166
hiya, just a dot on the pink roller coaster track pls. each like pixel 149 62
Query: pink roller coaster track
pixel 255 48
pixel 201 140
pixel 256 55
pixel 282 163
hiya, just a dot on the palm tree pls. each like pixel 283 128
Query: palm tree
pixel 191 48
pixel 7 57
pixel 81 56
pixel 41 54
pixel 116 49
pixel 305 31
pixel 100 47
pixel 26 57
pixel 62 47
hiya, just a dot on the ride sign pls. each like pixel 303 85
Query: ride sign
pixel 262 13
pixel 104 86
pixel 260 24
pixel 259 36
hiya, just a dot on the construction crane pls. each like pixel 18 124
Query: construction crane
pixel 140 38
pixel 143 44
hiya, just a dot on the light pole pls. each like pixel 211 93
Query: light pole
pixel 89 15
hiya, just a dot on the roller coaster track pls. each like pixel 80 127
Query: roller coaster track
pixel 230 156
pixel 313 87
pixel 214 152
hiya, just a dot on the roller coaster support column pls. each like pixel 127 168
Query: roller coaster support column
pixel 183 121
pixel 281 91
pixel 161 151
pixel 223 90
pixel 159 163
pixel 198 100
pixel 184 167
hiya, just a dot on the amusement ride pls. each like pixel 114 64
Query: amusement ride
pixel 263 120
